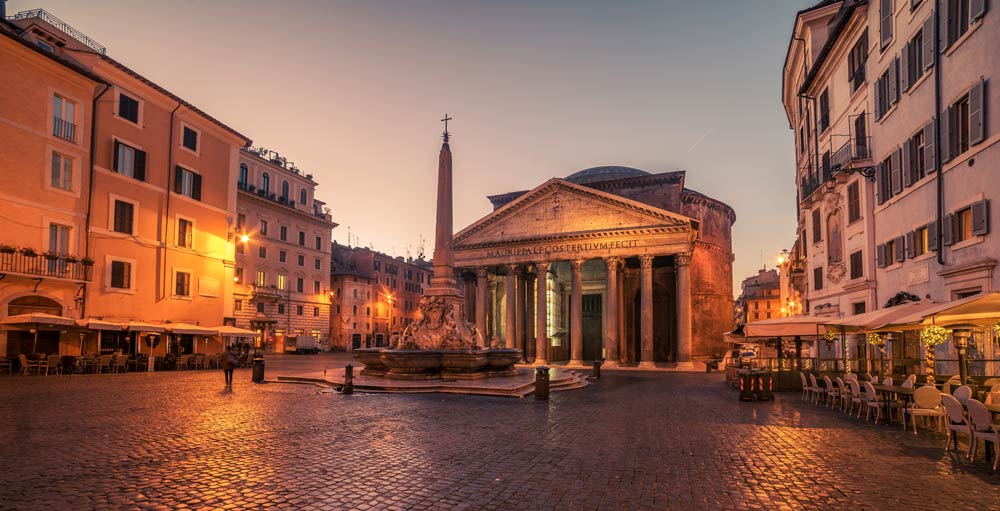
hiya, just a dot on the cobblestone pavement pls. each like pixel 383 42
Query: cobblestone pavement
pixel 629 441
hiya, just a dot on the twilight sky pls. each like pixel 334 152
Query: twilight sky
pixel 352 92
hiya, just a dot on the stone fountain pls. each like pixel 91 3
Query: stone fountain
pixel 441 344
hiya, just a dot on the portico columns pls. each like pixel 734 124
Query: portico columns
pixel 541 314
pixel 576 314
pixel 682 263
pixel 510 328
pixel 519 314
pixel 482 297
pixel 646 310
pixel 529 316
pixel 611 313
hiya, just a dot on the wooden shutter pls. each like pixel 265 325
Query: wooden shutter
pixel 878 98
pixel 908 173
pixel 932 236
pixel 976 117
pixel 880 256
pixel 882 177
pixel 948 229
pixel 904 70
pixel 896 177
pixel 898 247
pixel 885 32
pixel 928 33
pixel 943 25
pixel 196 187
pixel 976 9
pixel 114 168
pixel 178 177
pixel 930 160
pixel 981 218
pixel 946 135
pixel 140 165
pixel 911 248
pixel 893 82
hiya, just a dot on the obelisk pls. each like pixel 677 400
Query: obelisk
pixel 443 281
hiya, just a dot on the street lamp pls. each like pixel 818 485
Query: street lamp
pixel 389 300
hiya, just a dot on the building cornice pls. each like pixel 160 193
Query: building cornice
pixel 277 206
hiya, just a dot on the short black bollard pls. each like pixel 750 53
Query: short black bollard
pixel 349 379
pixel 257 376
pixel 597 369
pixel 542 382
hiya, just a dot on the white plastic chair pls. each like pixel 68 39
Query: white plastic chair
pixel 926 403
pixel 984 429
pixel 816 389
pixel 872 401
pixel 855 397
pixel 962 394
pixel 845 393
pixel 888 381
pixel 832 393
pixel 956 420
pixel 912 379
pixel 907 384
pixel 805 386
pixel 952 382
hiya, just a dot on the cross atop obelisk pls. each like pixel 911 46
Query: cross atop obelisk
pixel 445 121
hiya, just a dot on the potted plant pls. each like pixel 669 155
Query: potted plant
pixel 7 249
pixel 70 259
pixel 932 336
pixel 86 261
pixel 51 256
pixel 28 252
pixel 253 188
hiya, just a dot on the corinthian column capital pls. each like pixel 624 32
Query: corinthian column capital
pixel 682 259
pixel 482 272
pixel 541 269
pixel 577 264
pixel 646 262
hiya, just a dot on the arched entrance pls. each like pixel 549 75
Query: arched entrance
pixel 23 341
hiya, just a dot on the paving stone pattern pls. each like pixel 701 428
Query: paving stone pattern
pixel 630 441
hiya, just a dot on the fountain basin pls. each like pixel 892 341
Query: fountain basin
pixel 437 364
pixel 463 363
pixel 372 359
pixel 412 364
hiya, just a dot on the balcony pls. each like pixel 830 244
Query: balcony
pixel 265 293
pixel 45 16
pixel 31 264
pixel 63 129
pixel 855 149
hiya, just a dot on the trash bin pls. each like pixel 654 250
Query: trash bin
pixel 711 365
pixel 542 382
pixel 755 385
pixel 258 370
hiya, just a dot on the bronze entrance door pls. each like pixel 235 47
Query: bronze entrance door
pixel 592 327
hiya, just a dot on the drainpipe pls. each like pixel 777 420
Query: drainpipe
pixel 90 184
pixel 937 132
pixel 166 216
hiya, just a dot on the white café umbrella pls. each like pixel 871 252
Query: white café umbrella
pixel 100 325
pixel 188 329
pixel 37 320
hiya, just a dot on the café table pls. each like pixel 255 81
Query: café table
pixel 889 390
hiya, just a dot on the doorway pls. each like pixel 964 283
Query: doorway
pixel 592 327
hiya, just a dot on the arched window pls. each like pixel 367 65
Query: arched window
pixel 244 173
pixel 265 183
pixel 302 196
pixel 355 293
pixel 369 311
pixel 355 309
pixel 284 190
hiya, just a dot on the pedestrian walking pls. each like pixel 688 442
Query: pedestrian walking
pixel 229 362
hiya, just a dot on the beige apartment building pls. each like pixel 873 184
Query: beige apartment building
pixel 760 298
pixel 283 266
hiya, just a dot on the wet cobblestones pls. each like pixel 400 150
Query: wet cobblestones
pixel 630 441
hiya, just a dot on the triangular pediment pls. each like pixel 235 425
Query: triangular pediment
pixel 561 209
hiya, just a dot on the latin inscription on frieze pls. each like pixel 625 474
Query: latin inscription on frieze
pixel 564 248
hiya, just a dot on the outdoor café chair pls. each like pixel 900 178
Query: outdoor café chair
pixel 816 390
pixel 908 383
pixel 121 363
pixel 872 401
pixel 53 365
pixel 887 381
pixel 832 392
pixel 956 420
pixel 851 376
pixel 963 393
pixel 183 361
pixel 953 381
pixel 805 386
pixel 28 365
pixel 983 428
pixel 199 361
pixel 845 393
pixel 991 382
pixel 5 364
pixel 926 403
pixel 912 378
pixel 105 364
pixel 855 397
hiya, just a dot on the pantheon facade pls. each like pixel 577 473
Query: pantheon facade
pixel 609 263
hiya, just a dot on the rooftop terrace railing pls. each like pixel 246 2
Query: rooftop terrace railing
pixel 47 17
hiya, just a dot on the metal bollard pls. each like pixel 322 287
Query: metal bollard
pixel 597 369
pixel 349 379
pixel 542 382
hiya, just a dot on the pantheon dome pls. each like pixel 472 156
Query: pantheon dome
pixel 605 173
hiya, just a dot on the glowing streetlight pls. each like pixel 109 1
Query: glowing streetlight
pixel 244 238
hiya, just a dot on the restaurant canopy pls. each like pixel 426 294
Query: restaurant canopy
pixel 871 321
pixel 979 309
pixel 37 319
pixel 100 324
pixel 186 329
pixel 138 326
pixel 914 320
pixel 786 327
pixel 232 331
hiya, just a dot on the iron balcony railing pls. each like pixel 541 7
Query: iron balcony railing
pixel 64 129
pixel 857 148
pixel 45 16
pixel 45 266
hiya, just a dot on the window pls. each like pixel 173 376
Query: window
pixel 756 315
pixel 919 242
pixel 265 183
pixel 319 243
pixel 857 265
pixel 263 227
pixel 817 229
pixel 298 310
pixel 62 172
pixel 818 278
pixel 302 260
pixel 262 252
pixel 963 125
pixel 889 176
pixel 283 232
pixel 59 239
pixel 185 233
pixel 281 308
pixel 853 201
pixel 121 275
pixel 281 281
pixel 317 263
pixel 299 285
pixel 238 306
pixel 281 256
pixel 885 27
pixel 963 225
pixel 260 307
pixel 190 139
pixel 859 308
pixel 129 161
pixel 244 175
pixel 182 283
pixel 302 239
pixel 284 190
pixel 261 278
pixel 912 61
pixel 187 183
pixel 377 265
pixel 856 62
pixel 960 15
pixel 123 217
pixel 241 221
pixel 824 110
pixel 128 108
pixel 63 118
pixel 316 287
pixel 302 196
pixel 315 311
pixel 238 275
pixel 890 253
pixel 887 89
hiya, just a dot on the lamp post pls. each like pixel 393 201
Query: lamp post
pixel 961 344
pixel 388 327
